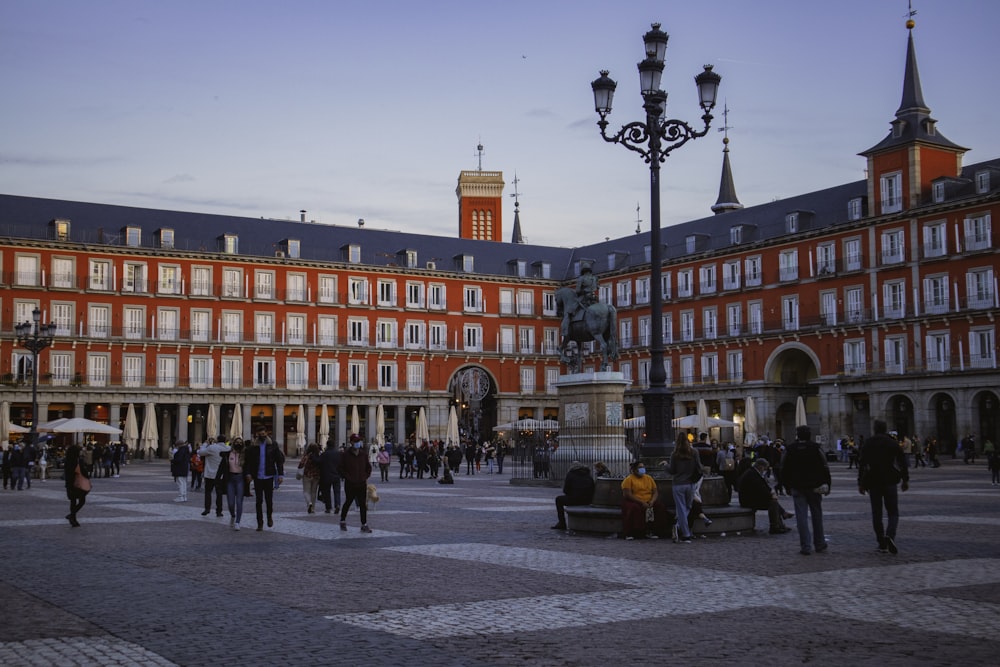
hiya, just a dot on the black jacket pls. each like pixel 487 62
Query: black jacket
pixel 579 486
pixel 755 492
pixel 274 460
pixel 881 462
pixel 329 465
pixel 803 466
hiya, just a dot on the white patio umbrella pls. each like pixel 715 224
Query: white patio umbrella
pixel 130 434
pixel 800 412
pixel 379 425
pixel 236 426
pixel 324 426
pixel 212 422
pixel 452 434
pixel 5 425
pixel 300 428
pixel 150 435
pixel 355 420
pixel 703 424
pixel 750 422
pixel 78 425
pixel 423 431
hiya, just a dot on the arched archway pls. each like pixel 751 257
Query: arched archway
pixel 791 372
pixel 473 393
pixel 899 410
pixel 945 429
pixel 986 404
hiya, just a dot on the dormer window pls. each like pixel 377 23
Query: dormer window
pixel 465 263
pixel 133 237
pixel 522 268
pixel 937 192
pixel 792 223
pixel 229 244
pixel 410 259
pixel 691 243
pixel 166 238
pixel 855 209
pixel 352 253
pixel 891 186
pixel 294 248
pixel 647 253
pixel 736 235
pixel 60 229
pixel 982 182
pixel 543 269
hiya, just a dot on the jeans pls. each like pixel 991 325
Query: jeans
pixel 813 503
pixel 19 476
pixel 234 496
pixel 887 495
pixel 683 498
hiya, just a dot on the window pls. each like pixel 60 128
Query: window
pixel 357 373
pixel 232 327
pixel 264 328
pixel 710 322
pixel 98 321
pixel 734 319
pixel 229 244
pixel 166 238
pixel 200 375
pixel 892 247
pixel 414 336
pixel 100 275
pixel 526 340
pixel 387 376
pixel 668 328
pixel 687 370
pixel 232 373
pixel 468 263
pixel 168 327
pixel 828 308
pixel 353 254
pixel 894 299
pixel 734 366
pixel 264 285
pixel 62 317
pixel 665 282
pixel 296 329
pixel 133 237
pixel 685 283
pixel 61 366
pixel 328 289
pixel 506 302
pixel 295 287
pixel 231 283
pixel 22 365
pixel 788 265
pixel 552 377
pixel 790 313
pixel 414 295
pixel 936 294
pixel 438 336
pixel 263 373
pixel 473 302
pixel 792 223
pixel 935 240
pixel 132 370
pixel 133 323
pixel 855 209
pixel 643 368
pixel 937 192
pixel 855 312
pixel 625 333
pixel 201 325
pixel 895 355
pixel 854 357
pixel 296 374
pixel 525 302
pixel 982 348
pixel 134 278
pixel 852 255
pixel 527 380
pixel 23 310
pixel 327 330
pixel 62 272
pixel 549 303
pixel 624 293
pixel 97 370
pixel 473 337
pixel 735 235
pixel 436 297
pixel 641 290
pixel 710 368
pixel 385 333
pixel 645 332
pixel 977 233
pixel 752 266
pixel 979 288
pixel 415 376
pixel 166 372
pixel 550 340
pixel 357 291
pixel 201 281
pixel 625 368
pixel 826 259
pixel 938 350
pixel 891 187
pixel 982 182
pixel 409 258
pixel 687 326
pixel 170 280
pixel 755 317
pixel 690 243
pixel 60 230
pixel 731 275
pixel 27 273
pixel 604 294
pixel 387 293
pixel 328 374
pixel 707 279
pixel 357 331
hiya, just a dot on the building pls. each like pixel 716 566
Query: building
pixel 876 298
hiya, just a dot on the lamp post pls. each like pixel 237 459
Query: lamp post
pixel 654 139
pixel 34 336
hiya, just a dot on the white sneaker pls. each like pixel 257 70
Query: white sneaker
pixel 236 526
pixel 178 499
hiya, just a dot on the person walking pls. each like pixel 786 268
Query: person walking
pixel 806 472
pixel 264 465
pixel 309 470
pixel 232 478
pixel 992 461
pixel 881 467
pixel 180 464
pixel 211 454
pixel 329 477
pixel 685 470
pixel 77 496
pixel 383 463
pixel 355 468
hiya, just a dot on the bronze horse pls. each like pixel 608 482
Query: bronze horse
pixel 598 322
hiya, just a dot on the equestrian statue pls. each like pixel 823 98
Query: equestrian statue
pixel 586 319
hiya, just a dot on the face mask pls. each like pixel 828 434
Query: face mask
pixel 641 471
pixel 357 445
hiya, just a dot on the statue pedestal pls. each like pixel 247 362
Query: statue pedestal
pixel 590 422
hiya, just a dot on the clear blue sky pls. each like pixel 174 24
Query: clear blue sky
pixel 369 109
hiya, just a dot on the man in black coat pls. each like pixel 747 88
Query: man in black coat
pixel 263 464
pixel 329 476
pixel 756 493
pixel 806 473
pixel 881 466
pixel 578 489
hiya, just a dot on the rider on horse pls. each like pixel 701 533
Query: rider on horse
pixel 586 294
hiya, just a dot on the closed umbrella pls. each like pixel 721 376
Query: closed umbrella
pixel 702 416
pixel 324 426
pixel 355 420
pixel 300 428
pixel 750 422
pixel 423 431
pixel 150 434
pixel 236 426
pixel 212 424
pixel 130 434
pixel 380 425
pixel 5 424
pixel 452 434
pixel 800 412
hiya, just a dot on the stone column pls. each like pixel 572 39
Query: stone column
pixel 310 416
pixel 182 425
pixel 341 434
pixel 278 429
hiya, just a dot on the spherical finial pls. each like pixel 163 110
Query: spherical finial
pixel 910 23
pixel 725 141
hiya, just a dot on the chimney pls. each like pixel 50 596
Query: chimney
pixel 302 215
pixel 361 222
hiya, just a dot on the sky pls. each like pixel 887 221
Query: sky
pixel 371 108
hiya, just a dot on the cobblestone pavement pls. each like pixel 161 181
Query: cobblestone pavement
pixel 472 574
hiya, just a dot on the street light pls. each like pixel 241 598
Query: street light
pixel 34 336
pixel 654 139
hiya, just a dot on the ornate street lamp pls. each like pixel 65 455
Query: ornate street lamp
pixel 34 336
pixel 654 139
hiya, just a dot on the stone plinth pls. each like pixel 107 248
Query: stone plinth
pixel 590 421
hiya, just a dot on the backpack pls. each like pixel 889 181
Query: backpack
pixel 222 472
pixel 729 463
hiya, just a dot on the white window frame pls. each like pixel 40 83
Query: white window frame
pixel 891 192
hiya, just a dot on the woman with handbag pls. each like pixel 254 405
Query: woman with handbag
pixel 77 484
pixel 308 472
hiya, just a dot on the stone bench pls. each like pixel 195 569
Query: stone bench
pixel 604 514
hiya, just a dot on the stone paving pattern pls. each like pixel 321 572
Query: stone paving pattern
pixel 471 574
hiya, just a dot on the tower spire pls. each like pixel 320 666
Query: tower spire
pixel 727 200
pixel 516 236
